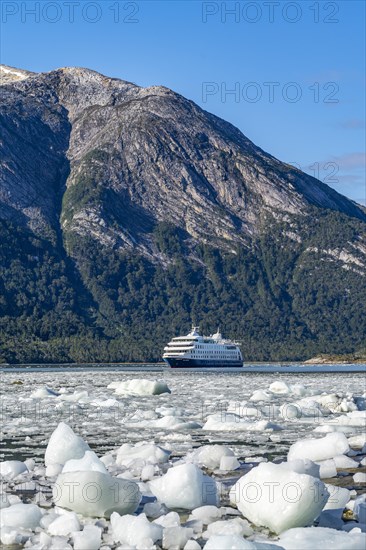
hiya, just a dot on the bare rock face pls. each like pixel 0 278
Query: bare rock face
pixel 121 158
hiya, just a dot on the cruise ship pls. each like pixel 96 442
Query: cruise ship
pixel 196 351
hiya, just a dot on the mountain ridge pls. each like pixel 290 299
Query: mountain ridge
pixel 99 168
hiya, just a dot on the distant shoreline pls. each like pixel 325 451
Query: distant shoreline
pixel 309 362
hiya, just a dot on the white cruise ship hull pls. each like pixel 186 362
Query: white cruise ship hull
pixel 187 363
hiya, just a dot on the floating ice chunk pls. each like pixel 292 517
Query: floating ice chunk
pixel 279 388
pixel 192 545
pixel 329 428
pixel 88 539
pixel 74 397
pixel 328 468
pixel 64 445
pixel 272 496
pixel 229 463
pixel 53 470
pixel 147 472
pixel 232 422
pixel 260 395
pixel 154 510
pixel 300 466
pixel 43 392
pixel 12 468
pixel 343 461
pixel 228 542
pixel 95 494
pixel 206 514
pixel 168 520
pixel 357 441
pixel 186 487
pixel 360 477
pixel 170 411
pixel 356 419
pixel 140 387
pixel 338 498
pixel 300 409
pixel 331 445
pixel 104 403
pixel 236 526
pixel 173 423
pixel 152 454
pixel 242 409
pixel 88 463
pixel 318 538
pixel 64 525
pixel 209 456
pixel 359 508
pixel 176 537
pixel 298 389
pixel 10 536
pixel 26 516
pixel 136 531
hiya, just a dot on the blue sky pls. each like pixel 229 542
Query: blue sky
pixel 295 69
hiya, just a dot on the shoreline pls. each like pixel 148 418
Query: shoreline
pixel 308 362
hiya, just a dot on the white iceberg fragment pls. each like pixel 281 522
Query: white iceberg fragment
pixel 260 395
pixel 140 387
pixel 88 463
pixel 209 456
pixel 206 514
pixel 64 445
pixel 338 498
pixel 149 452
pixel 89 538
pixel 136 531
pixel 343 461
pixel 95 494
pixel 272 496
pixel 357 441
pixel 53 470
pixel 81 395
pixel 327 469
pixel 176 537
pixel 12 468
pixel 280 388
pixel 229 542
pixel 168 520
pixel 318 538
pixel 229 463
pixel 359 508
pixel 186 487
pixel 236 526
pixel 304 466
pixel 331 445
pixel 44 392
pixel 64 525
pixel 10 536
pixel 359 477
pixel 26 516
pixel 234 423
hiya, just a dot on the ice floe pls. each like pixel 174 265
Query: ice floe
pixel 139 387
pixel 144 469
pixel 185 486
pixel 64 445
pixel 274 497
pixel 95 494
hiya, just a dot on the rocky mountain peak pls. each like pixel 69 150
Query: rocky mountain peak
pixel 124 158
pixel 11 74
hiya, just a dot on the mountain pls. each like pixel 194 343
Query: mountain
pixel 126 213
